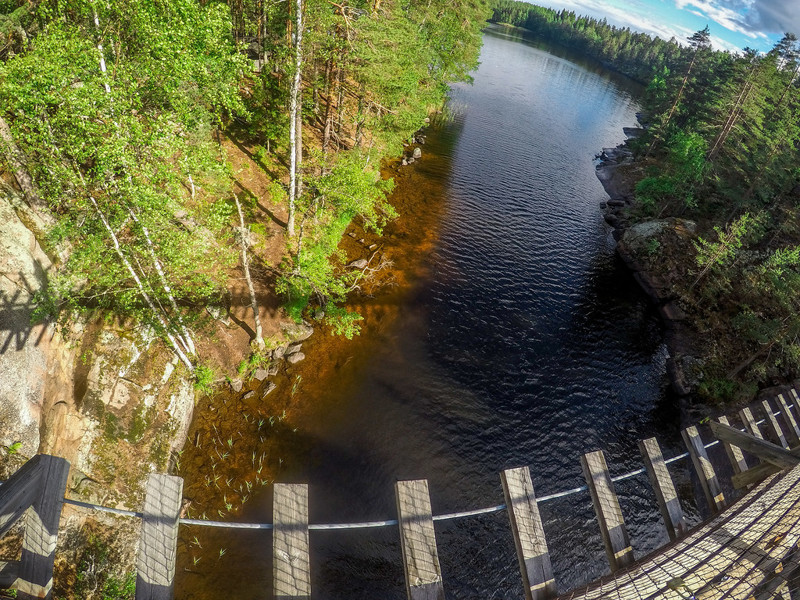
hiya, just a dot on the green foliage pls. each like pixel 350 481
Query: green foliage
pixel 342 321
pixel 652 191
pixel 722 251
pixel 14 448
pixel 204 378
pixel 97 578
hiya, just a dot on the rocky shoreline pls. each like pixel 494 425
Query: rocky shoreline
pixel 632 243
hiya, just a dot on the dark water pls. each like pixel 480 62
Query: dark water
pixel 525 342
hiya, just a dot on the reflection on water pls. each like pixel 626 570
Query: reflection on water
pixel 513 337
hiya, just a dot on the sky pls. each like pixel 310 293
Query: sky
pixel 734 24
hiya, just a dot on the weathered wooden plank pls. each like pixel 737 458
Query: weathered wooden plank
pixel 9 571
pixel 666 496
pixel 705 470
pixel 418 541
pixel 291 564
pixel 773 425
pixel 529 539
pixel 794 397
pixel 766 451
pixel 753 475
pixel 19 492
pixel 749 422
pixel 35 579
pixel 705 556
pixel 158 538
pixel 735 454
pixel 606 506
pixel 789 421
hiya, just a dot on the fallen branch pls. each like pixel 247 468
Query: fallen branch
pixel 243 235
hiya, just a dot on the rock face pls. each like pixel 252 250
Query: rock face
pixel 108 398
pixel 23 348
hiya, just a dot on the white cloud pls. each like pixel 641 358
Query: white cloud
pixel 775 16
pixel 729 18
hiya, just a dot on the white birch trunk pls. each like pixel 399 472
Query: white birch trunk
pixel 294 118
pixel 254 304
pixel 186 338
pixel 142 291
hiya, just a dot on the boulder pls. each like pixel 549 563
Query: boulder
pixel 236 385
pixel 295 358
pixel 417 153
pixel 248 395
pixel 268 389
pixel 293 349
pixel 260 374
pixel 298 332
pixel 361 263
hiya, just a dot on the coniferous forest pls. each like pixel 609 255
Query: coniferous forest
pixel 720 152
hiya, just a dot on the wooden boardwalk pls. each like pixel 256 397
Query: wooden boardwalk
pixel 748 550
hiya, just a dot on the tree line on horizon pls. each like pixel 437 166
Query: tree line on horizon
pixel 721 147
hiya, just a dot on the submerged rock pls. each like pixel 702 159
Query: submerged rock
pixel 295 358
pixel 417 153
pixel 361 263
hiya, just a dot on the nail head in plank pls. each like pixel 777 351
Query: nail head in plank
pixel 666 496
pixel 773 425
pixel 735 454
pixel 158 538
pixel 789 420
pixel 529 539
pixel 418 541
pixel 291 566
pixel 606 506
pixel 704 468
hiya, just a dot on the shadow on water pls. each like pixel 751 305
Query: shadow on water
pixel 509 335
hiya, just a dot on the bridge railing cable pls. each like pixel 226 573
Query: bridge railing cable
pixel 389 522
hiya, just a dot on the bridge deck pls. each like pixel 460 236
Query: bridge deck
pixel 744 552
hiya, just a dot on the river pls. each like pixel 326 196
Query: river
pixel 515 337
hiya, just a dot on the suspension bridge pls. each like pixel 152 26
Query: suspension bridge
pixel 749 549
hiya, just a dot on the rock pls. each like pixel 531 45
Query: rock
pixel 319 314
pixel 361 263
pixel 632 132
pixel 236 385
pixel 373 246
pixel 411 160
pixel 351 234
pixel 405 162
pixel 417 153
pixel 671 312
pixel 293 349
pixel 616 203
pixel 427 119
pixel 248 395
pixel 260 374
pixel 218 313
pixel 273 370
pixel 268 389
pixel 278 353
pixel 295 358
pixel 361 241
pixel 298 332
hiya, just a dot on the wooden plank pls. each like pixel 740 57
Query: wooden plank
pixel 749 422
pixel 9 571
pixel 418 541
pixel 704 468
pixel 753 475
pixel 773 425
pixel 794 398
pixel 35 579
pixel 291 564
pixel 606 507
pixel 19 492
pixel 766 451
pixel 735 454
pixel 789 421
pixel 529 539
pixel 666 496
pixel 158 538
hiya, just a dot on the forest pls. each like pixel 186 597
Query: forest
pixel 114 115
pixel 720 151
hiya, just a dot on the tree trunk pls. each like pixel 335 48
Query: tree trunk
pixel 294 119
pixel 246 267
pixel 326 135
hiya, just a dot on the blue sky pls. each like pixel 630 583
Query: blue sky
pixel 734 24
